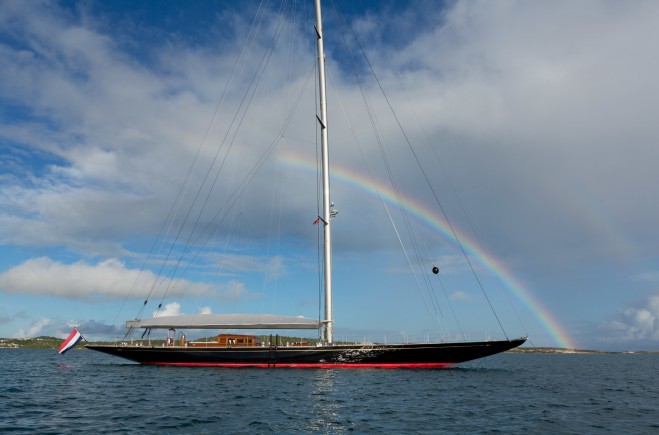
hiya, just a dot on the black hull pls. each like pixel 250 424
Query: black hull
pixel 436 355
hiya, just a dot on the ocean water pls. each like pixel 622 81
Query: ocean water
pixel 87 392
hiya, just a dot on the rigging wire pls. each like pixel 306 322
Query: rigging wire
pixel 425 175
pixel 237 122
pixel 455 317
pixel 169 220
pixel 460 203
pixel 433 304
pixel 279 175
pixel 376 131
pixel 238 192
pixel 188 176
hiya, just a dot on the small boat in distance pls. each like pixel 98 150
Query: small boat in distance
pixel 239 350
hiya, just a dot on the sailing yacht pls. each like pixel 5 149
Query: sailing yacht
pixel 244 350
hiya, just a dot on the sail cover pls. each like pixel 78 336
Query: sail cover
pixel 225 321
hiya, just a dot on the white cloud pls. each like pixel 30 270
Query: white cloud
pixel 126 134
pixel 107 279
pixel 542 113
pixel 205 310
pixel 35 328
pixel 533 101
pixel 232 291
pixel 637 324
pixel 451 264
pixel 648 277
pixel 276 267
pixel 171 309
pixel 460 296
pixel 232 263
pixel 174 309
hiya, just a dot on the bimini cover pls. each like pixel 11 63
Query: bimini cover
pixel 225 321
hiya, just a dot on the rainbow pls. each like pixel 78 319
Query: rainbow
pixel 436 222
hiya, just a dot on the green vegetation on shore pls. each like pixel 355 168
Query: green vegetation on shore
pixel 31 343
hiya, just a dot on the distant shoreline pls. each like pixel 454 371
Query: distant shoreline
pixel 560 350
pixel 54 343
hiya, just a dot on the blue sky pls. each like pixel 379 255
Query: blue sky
pixel 535 123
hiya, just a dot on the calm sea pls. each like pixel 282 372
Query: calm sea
pixel 87 392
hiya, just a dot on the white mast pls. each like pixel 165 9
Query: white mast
pixel 328 321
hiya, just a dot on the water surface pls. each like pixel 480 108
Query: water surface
pixel 89 392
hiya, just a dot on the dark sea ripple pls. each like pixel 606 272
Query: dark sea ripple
pixel 86 392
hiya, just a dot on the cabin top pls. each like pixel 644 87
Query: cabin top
pixel 229 340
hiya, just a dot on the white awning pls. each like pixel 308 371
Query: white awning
pixel 225 321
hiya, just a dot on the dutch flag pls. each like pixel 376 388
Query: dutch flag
pixel 70 342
